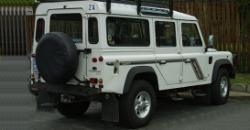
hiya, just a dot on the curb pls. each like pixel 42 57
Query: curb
pixel 240 88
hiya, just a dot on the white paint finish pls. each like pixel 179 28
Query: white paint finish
pixel 198 53
pixel 169 76
pixel 171 71
pixel 188 71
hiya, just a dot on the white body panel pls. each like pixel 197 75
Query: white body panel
pixel 169 76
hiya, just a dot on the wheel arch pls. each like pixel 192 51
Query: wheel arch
pixel 141 72
pixel 223 63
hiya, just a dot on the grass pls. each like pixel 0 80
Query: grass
pixel 241 78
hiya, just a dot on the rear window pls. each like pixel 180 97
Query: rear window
pixel 127 32
pixel 71 24
pixel 39 29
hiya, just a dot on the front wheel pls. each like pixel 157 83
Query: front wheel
pixel 219 90
pixel 138 105
pixel 73 110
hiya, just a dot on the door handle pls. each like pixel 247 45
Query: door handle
pixel 161 62
pixel 187 60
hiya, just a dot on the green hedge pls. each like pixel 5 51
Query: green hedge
pixel 16 2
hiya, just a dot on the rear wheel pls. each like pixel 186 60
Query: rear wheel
pixel 73 110
pixel 219 90
pixel 138 105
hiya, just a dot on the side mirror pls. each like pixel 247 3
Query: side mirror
pixel 210 41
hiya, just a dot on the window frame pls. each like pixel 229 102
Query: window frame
pixel 175 32
pixel 133 18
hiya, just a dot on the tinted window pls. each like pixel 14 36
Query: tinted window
pixel 165 33
pixel 93 31
pixel 39 29
pixel 190 35
pixel 127 32
pixel 70 24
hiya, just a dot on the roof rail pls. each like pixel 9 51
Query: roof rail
pixel 141 4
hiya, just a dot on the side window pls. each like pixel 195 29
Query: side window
pixel 71 24
pixel 190 35
pixel 93 31
pixel 40 29
pixel 127 32
pixel 165 34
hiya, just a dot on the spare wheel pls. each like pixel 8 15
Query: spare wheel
pixel 56 58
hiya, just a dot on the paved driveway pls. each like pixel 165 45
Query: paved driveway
pixel 18 111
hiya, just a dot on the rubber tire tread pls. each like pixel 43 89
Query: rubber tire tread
pixel 128 117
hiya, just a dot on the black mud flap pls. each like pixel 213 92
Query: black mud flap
pixel 45 102
pixel 110 109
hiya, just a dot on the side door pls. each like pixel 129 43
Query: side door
pixel 195 61
pixel 169 59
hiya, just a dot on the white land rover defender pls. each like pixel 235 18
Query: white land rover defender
pixel 122 54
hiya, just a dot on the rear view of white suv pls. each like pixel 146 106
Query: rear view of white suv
pixel 121 54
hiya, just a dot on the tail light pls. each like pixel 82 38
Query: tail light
pixel 101 59
pixel 94 60
pixel 100 81
pixel 93 80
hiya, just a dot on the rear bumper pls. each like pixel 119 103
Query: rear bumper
pixel 49 95
pixel 75 90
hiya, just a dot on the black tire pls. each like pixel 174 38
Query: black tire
pixel 128 116
pixel 218 95
pixel 73 110
pixel 56 58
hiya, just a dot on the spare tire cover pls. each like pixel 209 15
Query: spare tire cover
pixel 56 58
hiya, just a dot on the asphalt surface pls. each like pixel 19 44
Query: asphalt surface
pixel 18 109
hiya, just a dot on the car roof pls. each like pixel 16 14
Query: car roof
pixel 99 7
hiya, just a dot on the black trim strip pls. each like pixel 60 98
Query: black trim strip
pixel 196 68
pixel 195 65
pixel 144 62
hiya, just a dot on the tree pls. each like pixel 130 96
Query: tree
pixel 16 2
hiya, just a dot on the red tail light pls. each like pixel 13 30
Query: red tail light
pixel 93 80
pixel 94 60
pixel 100 59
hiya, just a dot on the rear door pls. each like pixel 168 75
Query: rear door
pixel 168 51
pixel 72 22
